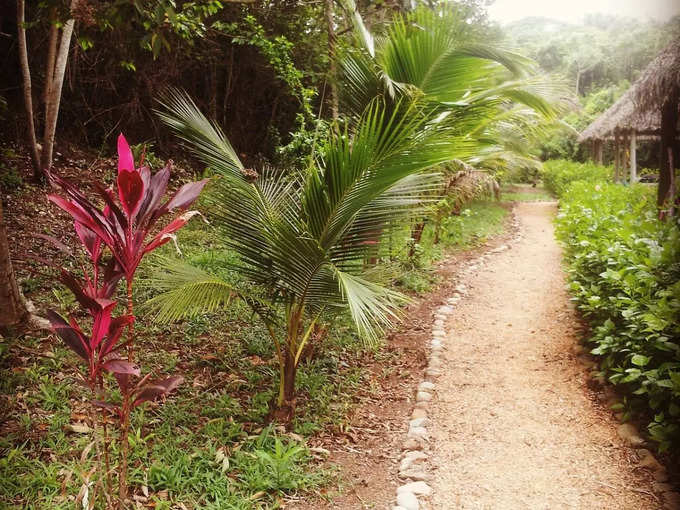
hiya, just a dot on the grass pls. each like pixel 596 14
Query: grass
pixel 208 446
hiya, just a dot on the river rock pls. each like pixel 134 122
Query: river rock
pixel 423 396
pixel 419 422
pixel 426 386
pixel 420 488
pixel 408 500
pixel 629 434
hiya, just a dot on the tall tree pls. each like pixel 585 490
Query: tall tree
pixel 12 307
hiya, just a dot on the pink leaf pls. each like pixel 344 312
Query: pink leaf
pixel 119 366
pixel 126 163
pixel 115 332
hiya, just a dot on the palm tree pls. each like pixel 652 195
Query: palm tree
pixel 302 239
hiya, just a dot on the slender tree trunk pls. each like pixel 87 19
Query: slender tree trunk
pixel 51 57
pixel 332 72
pixel 28 93
pixel 12 307
pixel 52 105
pixel 669 149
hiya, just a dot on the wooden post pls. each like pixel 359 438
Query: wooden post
pixel 633 157
pixel 617 158
pixel 599 144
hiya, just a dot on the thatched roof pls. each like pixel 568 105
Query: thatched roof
pixel 660 79
pixel 639 109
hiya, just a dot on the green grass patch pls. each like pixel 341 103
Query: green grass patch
pixel 209 446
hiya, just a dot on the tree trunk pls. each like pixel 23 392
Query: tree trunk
pixel 284 410
pixel 52 105
pixel 12 307
pixel 328 12
pixel 51 57
pixel 669 149
pixel 28 93
pixel 416 235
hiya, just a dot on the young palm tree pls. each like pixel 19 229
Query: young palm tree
pixel 302 240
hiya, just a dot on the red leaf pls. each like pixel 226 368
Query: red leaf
pixel 125 160
pixel 90 241
pixel 154 194
pixel 186 195
pixel 81 296
pixel 71 337
pixel 102 321
pixel 130 192
pixel 115 331
pixel 119 366
pixel 165 235
pixel 158 389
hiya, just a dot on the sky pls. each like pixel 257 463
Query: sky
pixel 505 11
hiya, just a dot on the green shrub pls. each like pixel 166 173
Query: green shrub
pixel 558 174
pixel 624 269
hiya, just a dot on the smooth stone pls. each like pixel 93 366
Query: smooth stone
pixel 438 332
pixel 412 443
pixel 410 458
pixel 420 488
pixel 419 422
pixel 435 342
pixel 423 396
pixel 408 500
pixel 440 316
pixel 417 432
pixel 435 362
pixel 416 475
pixel 418 413
pixel 433 373
pixel 421 405
pixel 445 309
pixel 647 460
pixel 426 386
pixel 398 508
pixel 629 434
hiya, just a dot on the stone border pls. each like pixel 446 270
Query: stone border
pixel 414 472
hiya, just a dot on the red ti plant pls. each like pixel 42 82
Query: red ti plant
pixel 126 226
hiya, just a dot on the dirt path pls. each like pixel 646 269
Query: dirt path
pixel 515 425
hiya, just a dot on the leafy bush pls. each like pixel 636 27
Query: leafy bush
pixel 559 173
pixel 624 267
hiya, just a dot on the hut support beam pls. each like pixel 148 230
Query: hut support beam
pixel 598 151
pixel 633 158
pixel 669 149
pixel 617 158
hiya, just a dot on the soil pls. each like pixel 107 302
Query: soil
pixel 517 420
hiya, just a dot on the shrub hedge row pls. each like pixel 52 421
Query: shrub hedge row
pixel 624 271
pixel 559 173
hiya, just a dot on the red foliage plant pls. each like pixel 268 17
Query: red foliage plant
pixel 124 226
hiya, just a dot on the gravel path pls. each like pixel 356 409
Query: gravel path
pixel 515 425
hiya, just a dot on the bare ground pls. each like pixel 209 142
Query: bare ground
pixel 516 424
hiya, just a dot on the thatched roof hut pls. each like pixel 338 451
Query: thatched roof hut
pixel 639 109
pixel 649 109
